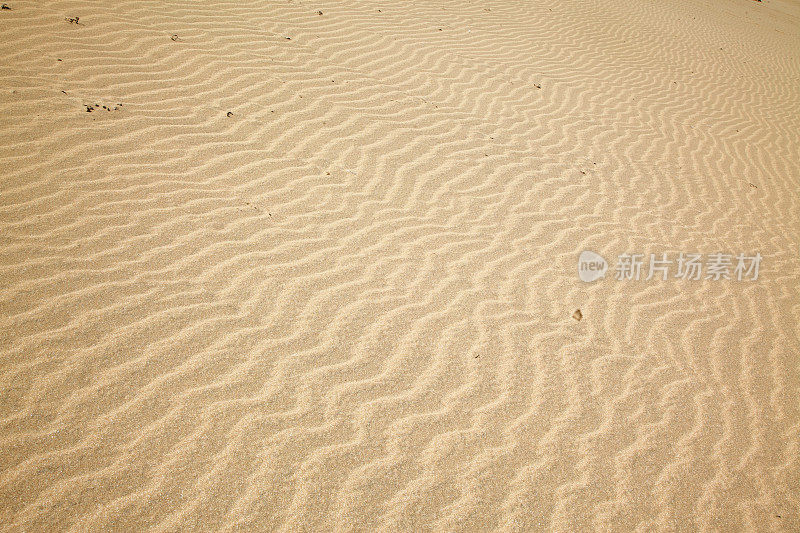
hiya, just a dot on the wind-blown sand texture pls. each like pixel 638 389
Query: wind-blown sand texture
pixel 316 272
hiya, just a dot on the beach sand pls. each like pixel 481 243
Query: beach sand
pixel 313 266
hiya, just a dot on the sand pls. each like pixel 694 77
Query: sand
pixel 313 266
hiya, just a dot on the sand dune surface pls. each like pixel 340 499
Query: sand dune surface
pixel 313 266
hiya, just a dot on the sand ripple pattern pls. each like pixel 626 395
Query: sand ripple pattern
pixel 312 272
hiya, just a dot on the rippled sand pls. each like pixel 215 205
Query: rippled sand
pixel 312 266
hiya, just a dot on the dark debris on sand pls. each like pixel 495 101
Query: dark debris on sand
pixel 97 107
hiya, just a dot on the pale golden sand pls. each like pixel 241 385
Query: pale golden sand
pixel 349 304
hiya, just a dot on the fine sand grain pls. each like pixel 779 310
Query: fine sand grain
pixel 292 265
